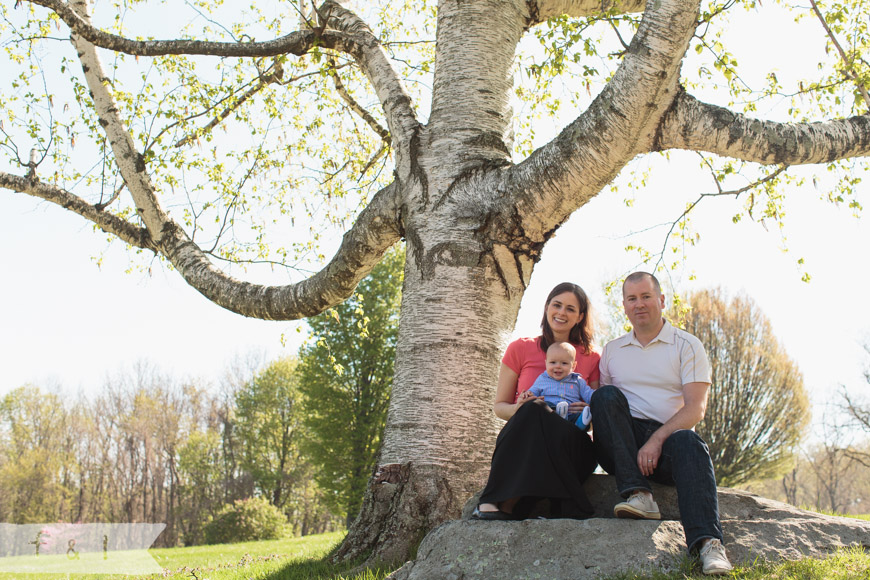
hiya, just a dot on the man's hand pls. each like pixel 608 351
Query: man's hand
pixel 648 456
pixel 695 399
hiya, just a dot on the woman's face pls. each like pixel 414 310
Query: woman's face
pixel 563 312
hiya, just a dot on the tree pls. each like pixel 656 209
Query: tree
pixel 758 409
pixel 858 412
pixel 36 456
pixel 268 421
pixel 346 376
pixel 127 146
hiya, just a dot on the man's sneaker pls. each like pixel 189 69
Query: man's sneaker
pixel 714 561
pixel 640 506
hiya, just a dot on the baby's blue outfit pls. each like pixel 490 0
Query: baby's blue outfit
pixel 571 389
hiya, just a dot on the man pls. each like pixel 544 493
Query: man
pixel 655 383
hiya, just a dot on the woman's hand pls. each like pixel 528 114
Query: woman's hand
pixel 576 407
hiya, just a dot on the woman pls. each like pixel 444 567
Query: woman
pixel 538 455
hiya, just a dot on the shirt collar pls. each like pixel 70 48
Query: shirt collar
pixel 666 335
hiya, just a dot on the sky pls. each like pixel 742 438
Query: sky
pixel 69 323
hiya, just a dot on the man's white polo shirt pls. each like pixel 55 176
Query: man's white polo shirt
pixel 652 376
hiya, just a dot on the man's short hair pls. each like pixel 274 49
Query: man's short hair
pixel 638 276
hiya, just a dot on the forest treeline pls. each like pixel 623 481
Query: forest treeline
pixel 146 449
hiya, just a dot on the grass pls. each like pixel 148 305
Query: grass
pixel 306 559
pixel 838 514
pixel 845 564
pixel 286 559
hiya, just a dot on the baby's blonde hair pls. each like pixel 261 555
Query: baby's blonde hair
pixel 565 347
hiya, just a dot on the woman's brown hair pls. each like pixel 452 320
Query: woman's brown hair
pixel 581 333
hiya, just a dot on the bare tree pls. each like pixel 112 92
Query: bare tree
pixel 758 409
pixel 857 409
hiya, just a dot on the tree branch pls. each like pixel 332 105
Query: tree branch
pixel 130 162
pixel 274 74
pixel 343 31
pixel 376 229
pixel 697 126
pixel 110 223
pixel 373 60
pixel 719 193
pixel 847 62
pixel 354 106
pixel 621 123
pixel 296 43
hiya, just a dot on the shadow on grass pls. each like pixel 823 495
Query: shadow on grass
pixel 324 569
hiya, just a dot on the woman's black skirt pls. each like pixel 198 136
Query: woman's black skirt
pixel 543 459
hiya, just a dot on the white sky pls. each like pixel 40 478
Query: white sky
pixel 67 322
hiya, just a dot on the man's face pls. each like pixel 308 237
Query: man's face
pixel 559 364
pixel 643 304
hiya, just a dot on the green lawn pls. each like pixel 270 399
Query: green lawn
pixel 304 559
pixel 287 559
pixel 245 560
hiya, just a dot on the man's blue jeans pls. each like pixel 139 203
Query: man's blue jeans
pixel 685 463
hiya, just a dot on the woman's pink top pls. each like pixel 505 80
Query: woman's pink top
pixel 525 357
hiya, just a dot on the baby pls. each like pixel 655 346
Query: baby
pixel 559 383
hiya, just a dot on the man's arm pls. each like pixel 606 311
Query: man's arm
pixel 603 371
pixel 694 407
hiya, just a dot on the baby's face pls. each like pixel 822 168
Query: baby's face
pixel 559 365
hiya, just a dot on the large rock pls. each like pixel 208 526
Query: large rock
pixel 754 527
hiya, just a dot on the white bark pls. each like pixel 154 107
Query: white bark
pixel 130 161
pixel 470 120
pixel 621 123
pixel 698 126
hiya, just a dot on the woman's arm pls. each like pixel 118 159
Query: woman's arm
pixel 506 393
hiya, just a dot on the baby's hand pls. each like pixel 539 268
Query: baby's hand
pixel 525 397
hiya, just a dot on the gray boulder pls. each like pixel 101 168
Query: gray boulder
pixel 754 527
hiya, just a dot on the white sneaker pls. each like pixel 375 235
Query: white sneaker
pixel 584 419
pixel 714 561
pixel 640 506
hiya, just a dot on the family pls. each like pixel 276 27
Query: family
pixel 645 392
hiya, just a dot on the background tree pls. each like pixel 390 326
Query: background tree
pixel 37 461
pixel 131 146
pixel 857 409
pixel 201 482
pixel 826 477
pixel 346 373
pixel 268 420
pixel 758 410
